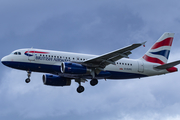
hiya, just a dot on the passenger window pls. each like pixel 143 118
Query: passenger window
pixel 122 63
pixel 57 56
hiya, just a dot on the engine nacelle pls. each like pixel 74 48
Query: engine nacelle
pixel 73 68
pixel 55 80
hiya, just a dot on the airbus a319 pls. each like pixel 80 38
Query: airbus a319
pixel 63 67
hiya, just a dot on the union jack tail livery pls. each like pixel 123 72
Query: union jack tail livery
pixel 159 52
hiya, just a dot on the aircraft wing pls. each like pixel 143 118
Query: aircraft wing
pixel 109 58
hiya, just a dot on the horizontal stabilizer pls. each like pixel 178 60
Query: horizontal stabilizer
pixel 168 65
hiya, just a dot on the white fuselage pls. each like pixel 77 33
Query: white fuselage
pixel 49 61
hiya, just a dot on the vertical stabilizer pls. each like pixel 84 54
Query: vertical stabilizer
pixel 159 52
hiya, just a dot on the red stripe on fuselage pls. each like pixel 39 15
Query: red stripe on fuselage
pixel 153 60
pixel 36 52
pixel 165 42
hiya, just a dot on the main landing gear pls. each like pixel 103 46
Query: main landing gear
pixel 94 82
pixel 81 89
pixel 29 75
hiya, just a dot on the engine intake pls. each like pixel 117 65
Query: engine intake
pixel 73 68
pixel 55 80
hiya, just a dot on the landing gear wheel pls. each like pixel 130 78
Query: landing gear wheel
pixel 94 82
pixel 27 80
pixel 80 89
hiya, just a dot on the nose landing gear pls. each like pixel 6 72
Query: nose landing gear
pixel 29 75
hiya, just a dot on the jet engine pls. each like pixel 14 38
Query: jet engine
pixel 55 80
pixel 74 68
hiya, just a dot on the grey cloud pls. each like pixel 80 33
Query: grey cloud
pixel 94 27
pixel 74 26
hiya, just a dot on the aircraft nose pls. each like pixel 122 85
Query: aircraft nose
pixel 4 60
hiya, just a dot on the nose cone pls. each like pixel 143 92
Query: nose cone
pixel 4 61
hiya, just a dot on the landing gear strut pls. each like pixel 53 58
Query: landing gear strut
pixel 29 75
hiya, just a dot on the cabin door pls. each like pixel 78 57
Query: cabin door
pixel 140 66
pixel 31 55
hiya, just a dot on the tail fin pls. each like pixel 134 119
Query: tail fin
pixel 159 52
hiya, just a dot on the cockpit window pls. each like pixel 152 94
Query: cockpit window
pixel 17 53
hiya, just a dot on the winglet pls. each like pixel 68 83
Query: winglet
pixel 143 43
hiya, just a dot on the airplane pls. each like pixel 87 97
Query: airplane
pixel 63 67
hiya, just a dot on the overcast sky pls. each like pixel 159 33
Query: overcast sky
pixel 93 27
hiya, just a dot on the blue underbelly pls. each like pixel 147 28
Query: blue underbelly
pixel 54 69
